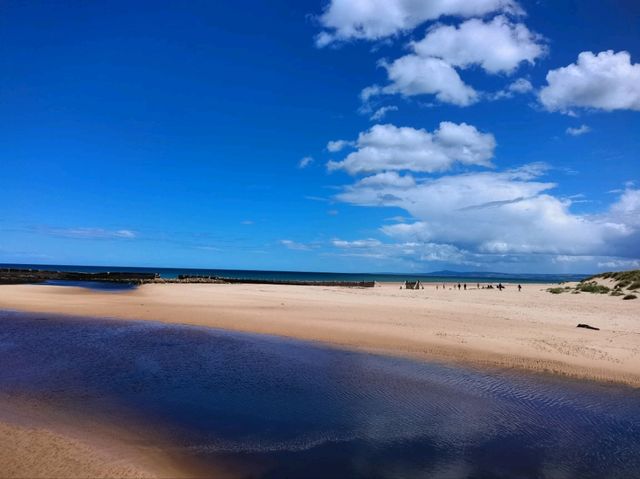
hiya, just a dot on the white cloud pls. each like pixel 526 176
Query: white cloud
pixel 388 178
pixel 413 75
pixel 606 81
pixel 381 112
pixel 519 86
pixel 304 162
pixel 408 252
pixel 502 213
pixel 581 130
pixel 294 245
pixel 337 145
pixel 375 19
pixel 498 46
pixel 91 233
pixel 388 147
pixel 365 243
pixel 620 264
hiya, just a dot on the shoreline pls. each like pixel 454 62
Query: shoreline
pixel 533 330
pixel 39 440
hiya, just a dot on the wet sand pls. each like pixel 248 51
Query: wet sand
pixel 40 440
pixel 530 330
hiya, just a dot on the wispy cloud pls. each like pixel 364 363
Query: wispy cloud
pixel 88 233
pixel 294 245
pixel 381 112
pixel 581 130
pixel 304 162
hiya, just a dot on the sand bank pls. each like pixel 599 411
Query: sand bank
pixel 531 330
pixel 39 439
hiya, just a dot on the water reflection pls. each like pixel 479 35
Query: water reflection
pixel 298 410
pixel 106 286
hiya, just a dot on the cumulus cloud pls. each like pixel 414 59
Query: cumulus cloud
pixel 381 112
pixel 304 162
pixel 498 46
pixel 388 178
pixel 388 147
pixel 606 81
pixel 581 130
pixel 502 213
pixel 376 19
pixel 517 87
pixel 337 145
pixel 413 75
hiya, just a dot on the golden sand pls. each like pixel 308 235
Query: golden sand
pixel 532 329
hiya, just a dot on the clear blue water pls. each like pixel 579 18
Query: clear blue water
pixel 318 276
pixel 278 408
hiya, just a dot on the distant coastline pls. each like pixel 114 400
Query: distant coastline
pixel 433 277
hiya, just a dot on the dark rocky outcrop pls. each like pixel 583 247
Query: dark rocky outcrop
pixel 24 276
pixel 30 276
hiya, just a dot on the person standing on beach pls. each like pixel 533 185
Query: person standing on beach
pixel 465 286
pixel 519 288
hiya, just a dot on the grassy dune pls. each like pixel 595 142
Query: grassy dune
pixel 620 283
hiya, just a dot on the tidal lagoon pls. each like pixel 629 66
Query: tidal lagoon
pixel 267 407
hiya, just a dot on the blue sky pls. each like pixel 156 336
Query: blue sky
pixel 491 135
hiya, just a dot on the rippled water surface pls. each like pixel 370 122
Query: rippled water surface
pixel 293 409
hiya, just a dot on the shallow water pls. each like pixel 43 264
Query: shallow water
pixel 294 409
pixel 105 286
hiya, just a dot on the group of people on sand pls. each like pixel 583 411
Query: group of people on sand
pixel 500 286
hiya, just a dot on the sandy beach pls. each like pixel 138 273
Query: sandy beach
pixel 531 330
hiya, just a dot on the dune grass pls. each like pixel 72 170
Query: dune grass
pixel 622 280
pixel 556 290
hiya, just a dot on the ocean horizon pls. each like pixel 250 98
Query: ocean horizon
pixel 275 275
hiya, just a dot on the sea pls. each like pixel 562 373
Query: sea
pixel 434 277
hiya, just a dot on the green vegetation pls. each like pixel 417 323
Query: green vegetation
pixel 634 285
pixel 621 281
pixel 593 287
